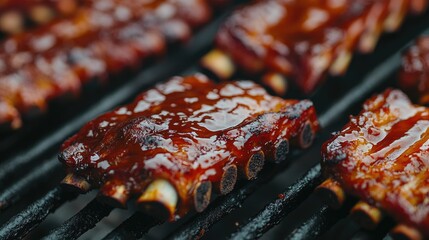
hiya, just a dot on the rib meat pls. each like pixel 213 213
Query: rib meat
pixel 304 39
pixel 190 132
pixel 414 75
pixel 381 156
pixel 100 39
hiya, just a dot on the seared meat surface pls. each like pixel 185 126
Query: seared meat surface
pixel 304 39
pixel 99 39
pixel 190 132
pixel 382 155
pixel 414 74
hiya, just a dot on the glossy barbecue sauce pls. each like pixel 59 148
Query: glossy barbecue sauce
pixel 382 156
pixel 101 38
pixel 301 38
pixel 186 131
pixel 414 75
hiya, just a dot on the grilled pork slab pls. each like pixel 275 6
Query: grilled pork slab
pixel 382 156
pixel 414 74
pixel 102 38
pixel 179 140
pixel 305 39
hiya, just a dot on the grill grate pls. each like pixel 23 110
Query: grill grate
pixel 21 173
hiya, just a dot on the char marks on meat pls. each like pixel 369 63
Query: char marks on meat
pixel 189 132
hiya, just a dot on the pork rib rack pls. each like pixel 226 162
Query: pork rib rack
pixel 381 156
pixel 104 38
pixel 179 140
pixel 16 15
pixel 414 74
pixel 304 39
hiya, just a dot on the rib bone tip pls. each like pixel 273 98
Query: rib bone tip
pixel 159 199
pixel 336 195
pixel 76 183
pixel 219 64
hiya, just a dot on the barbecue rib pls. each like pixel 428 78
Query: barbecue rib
pixel 16 14
pixel 174 141
pixel 381 157
pixel 414 74
pixel 111 36
pixel 304 39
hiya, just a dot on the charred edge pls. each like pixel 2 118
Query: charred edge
pixel 254 165
pixel 306 136
pixel 76 183
pixel 202 195
pixel 114 195
pixel 218 63
pixel 402 231
pixel 281 151
pixel 159 200
pixel 333 191
pixel 228 180
pixel 367 216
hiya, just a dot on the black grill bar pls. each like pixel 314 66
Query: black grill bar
pixel 84 220
pixel 223 206
pixel 133 228
pixel 275 211
pixel 316 225
pixel 22 223
pixel 14 193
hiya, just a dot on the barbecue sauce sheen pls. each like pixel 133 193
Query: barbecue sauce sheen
pixel 301 38
pixel 186 131
pixel 382 157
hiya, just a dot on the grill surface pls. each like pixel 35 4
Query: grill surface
pixel 278 204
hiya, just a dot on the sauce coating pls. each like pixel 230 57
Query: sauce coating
pixel 382 155
pixel 304 39
pixel 414 74
pixel 102 38
pixel 186 131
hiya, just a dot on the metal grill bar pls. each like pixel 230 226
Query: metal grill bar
pixel 275 211
pixel 224 206
pixel 134 227
pixel 15 192
pixel 28 219
pixel 316 225
pixel 84 220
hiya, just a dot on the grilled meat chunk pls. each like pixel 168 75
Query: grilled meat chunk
pixel 381 156
pixel 414 74
pixel 179 139
pixel 304 39
pixel 99 40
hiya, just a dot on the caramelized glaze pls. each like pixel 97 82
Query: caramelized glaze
pixel 382 155
pixel 186 131
pixel 101 38
pixel 414 74
pixel 302 38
